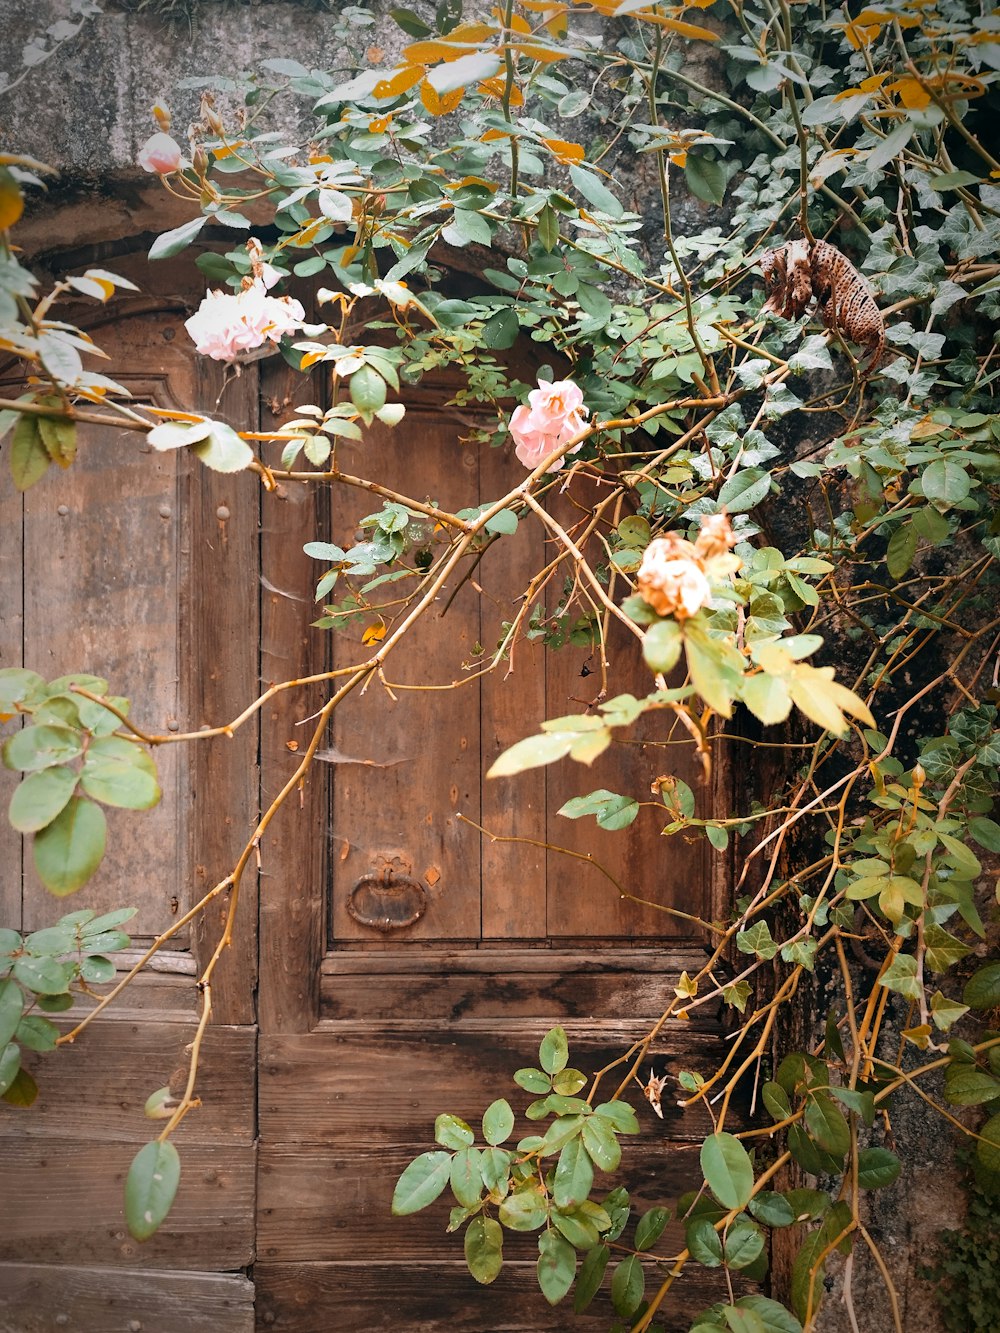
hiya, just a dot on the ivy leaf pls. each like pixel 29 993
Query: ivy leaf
pixel 901 976
pixel 69 850
pixel 757 939
pixel 150 1188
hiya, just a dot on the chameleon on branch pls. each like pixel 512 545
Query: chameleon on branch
pixel 801 272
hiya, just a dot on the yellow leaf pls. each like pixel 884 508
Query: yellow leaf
pixel 374 633
pixel 679 159
pixel 873 83
pixel 228 149
pixel 913 95
pixel 400 81
pixel 473 33
pixel 496 87
pixel 565 151
pixel 692 30
pixel 545 55
pixel 920 1036
pixel 490 135
pixel 379 124
pixel 439 104
pixel 686 989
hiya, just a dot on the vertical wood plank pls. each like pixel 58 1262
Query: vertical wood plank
pixel 11 641
pixel 293 860
pixel 404 769
pixel 513 706
pixel 221 676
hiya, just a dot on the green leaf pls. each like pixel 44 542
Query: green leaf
pixel 706 178
pixel 772 1209
pixel 704 1242
pixel 716 668
pixel 827 1124
pixel 69 850
pixel 650 1227
pixel 718 837
pixel 982 990
pixel 774 1318
pixel 612 810
pixel 37 1033
pixel 966 1086
pixel 504 523
pixel 568 1081
pixel 40 797
pixel 501 330
pixel 173 242
pixel 727 1169
pixel 619 1114
pixel 18 685
pixel 150 1187
pixel 548 228
pixel 776 1101
pixel 11 1008
pixel 601 1143
pixel 595 192
pixel 745 489
pixel 591 1275
pixel 556 1266
pixel 23 1091
pixel 484 1248
pixel 877 1167
pixel 901 550
pixel 756 939
pixel 97 970
pixel 498 1122
pixel 661 646
pixel 52 940
pixel 421 1183
pixel 945 482
pixel 743 1243
pixel 574 1176
pixel 10 1063
pixel 533 752
pixel 29 459
pixel 222 450
pixel 97 925
pixel 413 27
pixel 41 747
pixel 524 1209
pixel 44 976
pixel 767 698
pixel 553 1053
pixel 119 773
pixel 628 1285
pixel 988 1147
pixel 533 1080
pixel 467 1177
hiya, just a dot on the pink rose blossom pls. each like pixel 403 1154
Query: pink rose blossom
pixel 161 154
pixel 554 414
pixel 225 325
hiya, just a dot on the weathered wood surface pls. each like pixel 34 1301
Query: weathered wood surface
pixel 219 627
pixel 99 1085
pixel 522 983
pixel 382 1084
pixel 335 1206
pixel 294 853
pixel 390 1297
pixel 42 1298
pixel 69 1208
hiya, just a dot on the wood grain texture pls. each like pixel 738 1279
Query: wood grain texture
pixel 99 1085
pixel 506 985
pixel 381 1084
pixel 42 1298
pixel 293 855
pixel 69 1206
pixel 336 1206
pixel 220 626
pixel 426 1298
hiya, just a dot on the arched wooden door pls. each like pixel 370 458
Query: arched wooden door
pixel 336 1042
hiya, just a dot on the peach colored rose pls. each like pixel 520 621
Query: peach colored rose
pixel 716 536
pixel 553 414
pixel 672 577
pixel 225 324
pixel 160 153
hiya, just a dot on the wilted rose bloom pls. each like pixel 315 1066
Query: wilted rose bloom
pixel 160 153
pixel 672 577
pixel 553 414
pixel 716 536
pixel 225 324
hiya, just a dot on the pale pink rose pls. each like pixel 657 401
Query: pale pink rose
pixel 672 578
pixel 554 414
pixel 160 153
pixel 226 324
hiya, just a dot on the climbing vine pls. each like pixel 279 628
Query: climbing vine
pixel 784 382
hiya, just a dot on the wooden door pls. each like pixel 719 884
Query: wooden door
pixel 376 1016
pixel 142 568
